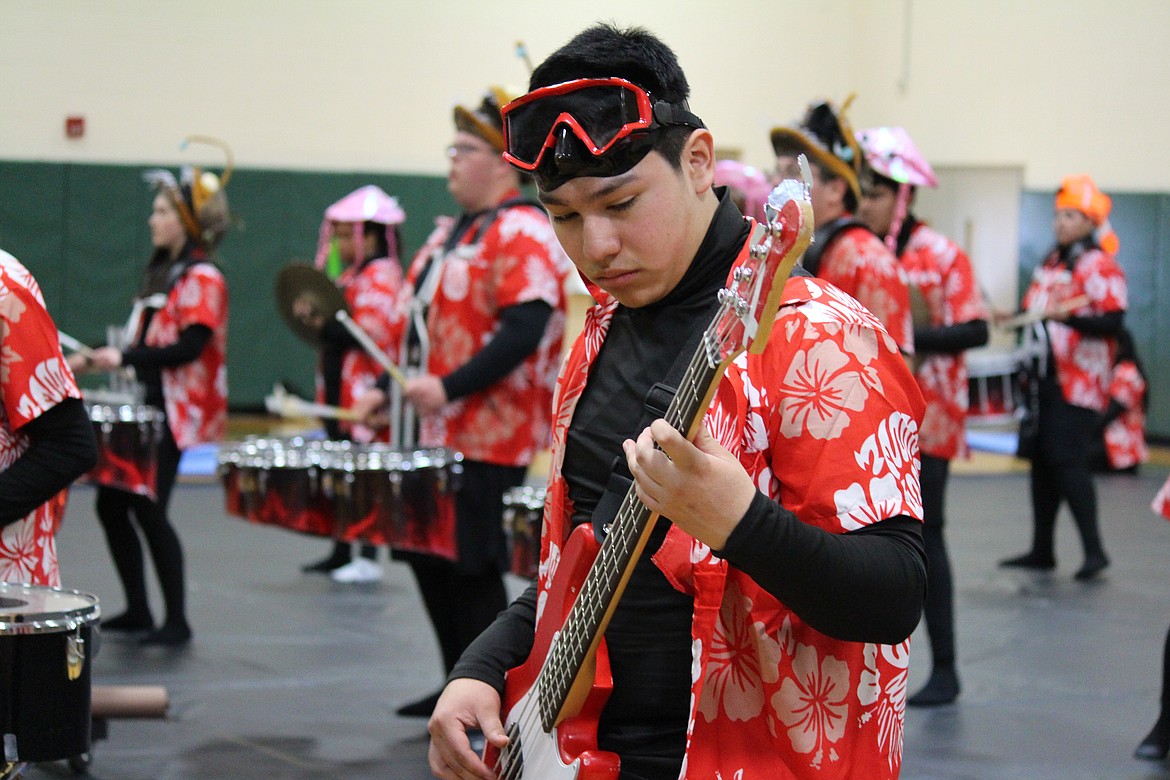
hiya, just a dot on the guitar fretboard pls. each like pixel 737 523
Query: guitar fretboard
pixel 622 543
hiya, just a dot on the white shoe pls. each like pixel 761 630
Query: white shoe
pixel 358 570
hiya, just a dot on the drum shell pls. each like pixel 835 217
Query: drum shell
pixel 523 517
pixel 45 715
pixel 993 384
pixel 127 437
pixel 404 499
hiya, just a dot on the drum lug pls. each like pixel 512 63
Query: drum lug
pixel 75 654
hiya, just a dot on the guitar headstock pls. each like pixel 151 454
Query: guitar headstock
pixel 751 301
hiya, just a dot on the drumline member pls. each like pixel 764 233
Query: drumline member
pixel 177 336
pixel 46 439
pixel 953 319
pixel 487 316
pixel 360 232
pixel 763 632
pixel 844 252
pixel 1077 350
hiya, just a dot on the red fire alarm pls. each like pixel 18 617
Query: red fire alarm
pixel 74 126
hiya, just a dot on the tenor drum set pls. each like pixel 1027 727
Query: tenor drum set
pixel 370 493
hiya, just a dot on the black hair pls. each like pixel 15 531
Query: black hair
pixel 381 245
pixel 827 174
pixel 633 54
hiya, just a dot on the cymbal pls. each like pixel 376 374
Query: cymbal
pixel 299 280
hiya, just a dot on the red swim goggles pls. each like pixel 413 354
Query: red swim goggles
pixel 599 114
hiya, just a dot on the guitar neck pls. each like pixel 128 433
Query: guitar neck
pixel 623 545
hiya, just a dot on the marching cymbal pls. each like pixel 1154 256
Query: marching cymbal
pixel 301 281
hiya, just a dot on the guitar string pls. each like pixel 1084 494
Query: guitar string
pixel 623 533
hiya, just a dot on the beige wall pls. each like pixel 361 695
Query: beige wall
pixel 1054 86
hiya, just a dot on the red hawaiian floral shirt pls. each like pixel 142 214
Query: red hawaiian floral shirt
pixel 826 421
pixel 1125 437
pixel 1084 363
pixel 860 264
pixel 195 392
pixel 371 292
pixel 33 378
pixel 516 259
pixel 943 275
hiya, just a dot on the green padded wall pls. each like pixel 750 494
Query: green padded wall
pixel 1141 222
pixel 81 230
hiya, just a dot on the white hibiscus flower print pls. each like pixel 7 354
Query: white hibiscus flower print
pixel 819 388
pixel 813 703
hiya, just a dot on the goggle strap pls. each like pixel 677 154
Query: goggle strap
pixel 670 114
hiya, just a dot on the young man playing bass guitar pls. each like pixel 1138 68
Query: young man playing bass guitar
pixel 763 632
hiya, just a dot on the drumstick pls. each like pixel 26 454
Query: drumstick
pixel 69 342
pixel 1028 317
pixel 284 405
pixel 370 347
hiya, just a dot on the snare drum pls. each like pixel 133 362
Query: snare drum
pixel 523 515
pixel 127 437
pixel 45 657
pixel 401 498
pixel 992 384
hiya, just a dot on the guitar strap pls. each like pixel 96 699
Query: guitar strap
pixel 654 406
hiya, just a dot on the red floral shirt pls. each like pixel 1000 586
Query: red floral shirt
pixel 195 392
pixel 1125 437
pixel 1161 504
pixel 860 264
pixel 33 378
pixel 516 259
pixel 826 421
pixel 943 274
pixel 1084 363
pixel 371 291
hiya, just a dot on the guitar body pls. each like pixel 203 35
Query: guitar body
pixel 570 751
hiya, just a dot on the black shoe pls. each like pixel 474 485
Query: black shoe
pixel 1094 565
pixel 1155 746
pixel 167 636
pixel 941 688
pixel 129 621
pixel 421 708
pixel 326 565
pixel 1029 561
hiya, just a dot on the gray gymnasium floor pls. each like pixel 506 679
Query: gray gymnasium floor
pixel 292 676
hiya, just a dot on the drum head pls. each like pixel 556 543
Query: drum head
pixel 36 609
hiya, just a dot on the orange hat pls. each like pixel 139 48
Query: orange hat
pixel 1079 193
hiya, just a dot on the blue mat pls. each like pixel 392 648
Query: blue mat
pixel 999 442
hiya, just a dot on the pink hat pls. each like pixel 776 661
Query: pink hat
pixel 365 204
pixel 747 181
pixel 891 153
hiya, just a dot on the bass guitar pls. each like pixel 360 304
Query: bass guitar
pixel 552 702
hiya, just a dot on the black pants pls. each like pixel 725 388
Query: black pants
pixel 939 609
pixel 1061 473
pixel 463 597
pixel 115 508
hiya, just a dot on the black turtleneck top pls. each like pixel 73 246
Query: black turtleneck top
pixel 866 585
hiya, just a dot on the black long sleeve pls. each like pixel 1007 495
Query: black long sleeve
pixel 504 645
pixel 1108 324
pixel 951 339
pixel 192 340
pixel 867 585
pixel 521 329
pixel 61 449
